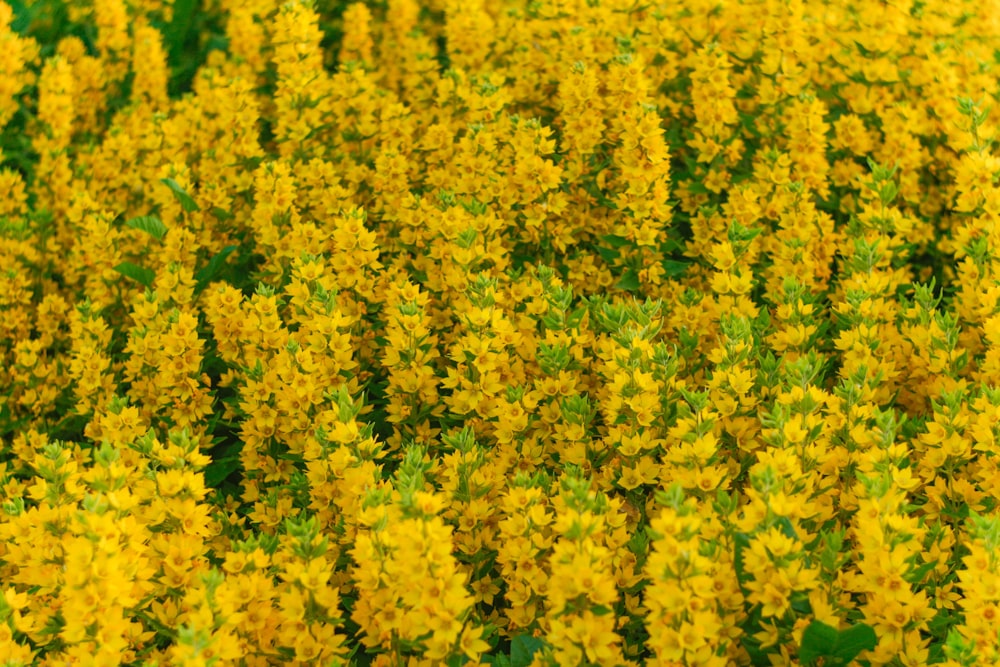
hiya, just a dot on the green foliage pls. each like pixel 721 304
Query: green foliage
pixel 140 274
pixel 149 224
pixel 522 652
pixel 213 269
pixel 186 201
pixel 836 648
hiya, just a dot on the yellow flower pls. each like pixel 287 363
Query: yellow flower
pixel 472 644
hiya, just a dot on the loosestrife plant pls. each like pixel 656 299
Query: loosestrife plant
pixel 557 332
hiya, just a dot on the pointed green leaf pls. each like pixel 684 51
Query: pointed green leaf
pixel 217 471
pixel 918 572
pixel 741 542
pixel 140 274
pixel 853 641
pixel 786 527
pixel 208 272
pixel 801 604
pixel 671 245
pixel 629 282
pixel 222 214
pixel 575 317
pixel 149 224
pixel 609 255
pixel 673 268
pixel 615 241
pixel 186 201
pixel 818 641
pixel 523 649
pixel 839 648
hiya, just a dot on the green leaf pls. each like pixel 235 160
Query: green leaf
pixel 23 15
pixel 696 188
pixel 673 268
pixel 741 544
pixel 615 241
pixel 917 574
pixel 785 524
pixel 671 245
pixel 758 656
pixel 149 224
pixel 186 201
pixel 575 317
pixel 140 274
pixel 523 649
pixel 207 273
pixel 629 282
pixel 216 472
pixel 836 648
pixel 830 556
pixel 941 623
pixel 178 35
pixel 818 641
pixel 853 641
pixel 221 214
pixel 936 654
pixel 609 255
pixel 801 604
pixel 864 51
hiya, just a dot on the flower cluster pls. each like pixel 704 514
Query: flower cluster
pixel 540 333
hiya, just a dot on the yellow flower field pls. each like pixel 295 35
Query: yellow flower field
pixel 497 332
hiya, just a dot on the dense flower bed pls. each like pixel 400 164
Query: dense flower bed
pixel 556 332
